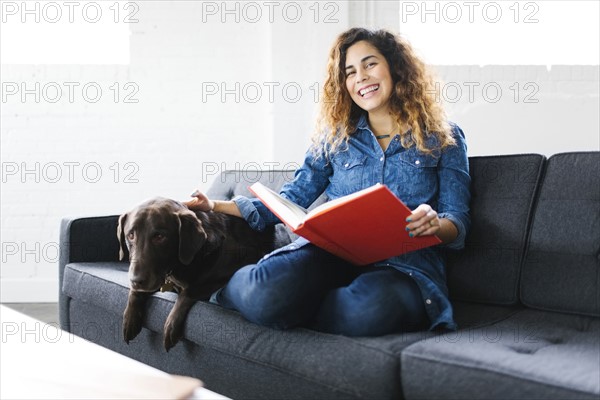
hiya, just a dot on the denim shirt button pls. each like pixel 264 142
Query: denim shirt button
pixel 381 159
pixel 346 165
pixel 417 162
pixel 428 301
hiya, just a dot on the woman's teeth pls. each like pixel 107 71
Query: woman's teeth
pixel 368 90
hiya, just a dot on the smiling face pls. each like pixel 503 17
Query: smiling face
pixel 368 78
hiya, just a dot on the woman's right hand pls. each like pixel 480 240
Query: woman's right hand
pixel 199 202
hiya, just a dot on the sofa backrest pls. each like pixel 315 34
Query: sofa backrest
pixel 503 190
pixel 231 183
pixel 561 270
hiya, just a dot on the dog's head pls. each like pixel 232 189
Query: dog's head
pixel 156 236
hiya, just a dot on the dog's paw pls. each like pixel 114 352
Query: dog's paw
pixel 173 332
pixel 132 325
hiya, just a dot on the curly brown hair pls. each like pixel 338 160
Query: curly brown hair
pixel 412 101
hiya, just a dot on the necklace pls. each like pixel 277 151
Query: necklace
pixel 379 137
pixel 382 136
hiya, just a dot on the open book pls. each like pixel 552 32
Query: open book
pixel 362 227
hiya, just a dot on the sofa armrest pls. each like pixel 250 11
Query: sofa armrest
pixel 84 239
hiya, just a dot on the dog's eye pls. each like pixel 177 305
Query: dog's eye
pixel 159 238
pixel 131 236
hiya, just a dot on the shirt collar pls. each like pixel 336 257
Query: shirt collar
pixel 362 122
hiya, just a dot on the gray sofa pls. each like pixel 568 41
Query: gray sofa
pixel 525 292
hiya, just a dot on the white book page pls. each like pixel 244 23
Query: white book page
pixel 343 199
pixel 290 212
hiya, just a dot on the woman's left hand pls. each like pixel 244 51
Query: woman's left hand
pixel 423 221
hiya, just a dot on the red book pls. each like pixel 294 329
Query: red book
pixel 362 227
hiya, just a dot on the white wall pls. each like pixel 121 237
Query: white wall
pixel 177 135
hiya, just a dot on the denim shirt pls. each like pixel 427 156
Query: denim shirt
pixel 440 179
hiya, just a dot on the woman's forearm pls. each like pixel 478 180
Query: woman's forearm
pixel 227 207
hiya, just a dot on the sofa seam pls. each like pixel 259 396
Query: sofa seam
pixel 516 282
pixel 258 362
pixel 527 250
pixel 504 156
pixel 547 309
pixel 532 207
pixel 72 219
pixel 96 276
pixel 568 153
pixel 496 321
pixel 277 368
pixel 480 368
pixel 394 357
pixel 526 239
pixel 565 254
pixel 64 260
pixel 345 338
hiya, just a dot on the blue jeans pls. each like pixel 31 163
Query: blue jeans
pixel 310 287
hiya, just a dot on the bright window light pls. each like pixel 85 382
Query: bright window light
pixel 506 32
pixel 70 32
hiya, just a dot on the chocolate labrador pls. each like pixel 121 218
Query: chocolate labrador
pixel 196 252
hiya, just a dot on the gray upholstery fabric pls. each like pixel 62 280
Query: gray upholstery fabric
pixel 531 355
pixel 235 183
pixel 221 371
pixel 338 365
pixel 502 189
pixel 475 315
pixel 84 239
pixel 502 351
pixel 232 183
pixel 321 362
pixel 562 267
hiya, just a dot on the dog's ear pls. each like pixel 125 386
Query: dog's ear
pixel 191 237
pixel 123 250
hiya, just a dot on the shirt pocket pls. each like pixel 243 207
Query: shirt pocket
pixel 419 176
pixel 349 174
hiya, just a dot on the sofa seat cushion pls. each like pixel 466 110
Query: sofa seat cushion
pixel 102 283
pixel 355 367
pixel 532 354
pixel 367 367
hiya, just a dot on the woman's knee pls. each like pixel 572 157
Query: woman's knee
pixel 263 301
pixel 374 305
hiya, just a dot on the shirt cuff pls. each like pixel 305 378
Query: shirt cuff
pixel 249 212
pixel 459 242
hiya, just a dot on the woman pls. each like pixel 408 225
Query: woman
pixel 379 123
